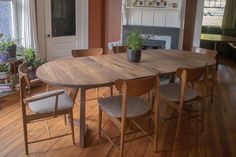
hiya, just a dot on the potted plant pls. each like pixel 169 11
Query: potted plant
pixel 4 70
pixel 31 57
pixel 135 42
pixel 8 45
pixel 11 47
pixel 3 53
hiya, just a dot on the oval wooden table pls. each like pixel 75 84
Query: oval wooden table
pixel 99 71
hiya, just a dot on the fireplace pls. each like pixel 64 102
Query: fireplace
pixel 159 37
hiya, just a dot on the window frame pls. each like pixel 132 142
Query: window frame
pixel 15 21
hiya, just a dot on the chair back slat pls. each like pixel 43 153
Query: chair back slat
pixel 137 87
pixel 23 74
pixel 192 75
pixel 119 49
pixel 87 52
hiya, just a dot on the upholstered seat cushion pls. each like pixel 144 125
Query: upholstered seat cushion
pixel 171 92
pixel 47 105
pixel 113 106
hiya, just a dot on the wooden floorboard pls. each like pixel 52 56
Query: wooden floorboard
pixel 218 138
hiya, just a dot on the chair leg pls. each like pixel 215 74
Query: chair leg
pixel 156 133
pixel 47 88
pixel 72 126
pixel 99 122
pixel 202 115
pixel 97 93
pixel 65 118
pixel 122 139
pixel 111 90
pixel 25 138
pixel 178 125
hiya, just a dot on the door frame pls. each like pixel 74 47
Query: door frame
pixel 82 25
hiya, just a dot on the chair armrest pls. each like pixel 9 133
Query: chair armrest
pixel 44 96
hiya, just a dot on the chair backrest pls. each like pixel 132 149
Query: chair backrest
pixel 211 53
pixel 191 76
pixel 24 80
pixel 137 87
pixel 119 49
pixel 87 52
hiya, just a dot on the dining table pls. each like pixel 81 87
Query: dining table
pixel 100 71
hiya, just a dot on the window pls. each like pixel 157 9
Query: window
pixel 213 12
pixel 7 18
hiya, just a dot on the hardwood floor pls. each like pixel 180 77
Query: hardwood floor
pixel 217 140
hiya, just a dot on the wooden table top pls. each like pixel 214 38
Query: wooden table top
pixel 217 38
pixel 95 71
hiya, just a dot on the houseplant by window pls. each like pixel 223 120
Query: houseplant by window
pixel 31 57
pixel 3 53
pixel 8 45
pixel 135 42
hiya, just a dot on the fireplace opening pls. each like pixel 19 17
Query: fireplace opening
pixel 154 44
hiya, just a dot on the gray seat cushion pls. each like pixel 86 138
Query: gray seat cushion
pixel 47 105
pixel 171 92
pixel 113 106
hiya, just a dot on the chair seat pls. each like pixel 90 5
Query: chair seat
pixel 135 106
pixel 47 105
pixel 171 92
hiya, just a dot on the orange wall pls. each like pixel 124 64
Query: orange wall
pixel 189 25
pixel 104 22
pixel 96 18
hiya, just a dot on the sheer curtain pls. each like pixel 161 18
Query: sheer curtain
pixel 229 19
pixel 27 23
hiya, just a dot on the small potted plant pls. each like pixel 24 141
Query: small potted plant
pixel 11 47
pixel 4 70
pixel 135 42
pixel 8 45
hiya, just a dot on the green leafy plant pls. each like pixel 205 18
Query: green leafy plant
pixel 4 44
pixel 30 56
pixel 4 68
pixel 136 40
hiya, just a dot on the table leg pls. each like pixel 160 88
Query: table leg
pixel 82 117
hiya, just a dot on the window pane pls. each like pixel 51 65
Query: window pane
pixel 63 18
pixel 6 18
pixel 213 12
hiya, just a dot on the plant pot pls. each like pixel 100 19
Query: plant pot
pixel 134 55
pixel 4 56
pixel 11 51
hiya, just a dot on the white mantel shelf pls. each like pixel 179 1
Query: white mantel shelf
pixel 152 8
pixel 153 15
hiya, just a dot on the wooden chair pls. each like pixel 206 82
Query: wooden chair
pixel 119 49
pixel 87 52
pixel 212 71
pixel 129 106
pixel 90 52
pixel 178 94
pixel 43 106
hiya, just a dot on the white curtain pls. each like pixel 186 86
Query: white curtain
pixel 27 23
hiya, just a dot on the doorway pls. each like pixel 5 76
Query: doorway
pixel 66 27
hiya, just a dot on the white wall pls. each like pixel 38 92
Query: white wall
pixel 198 23
pixel 41 28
